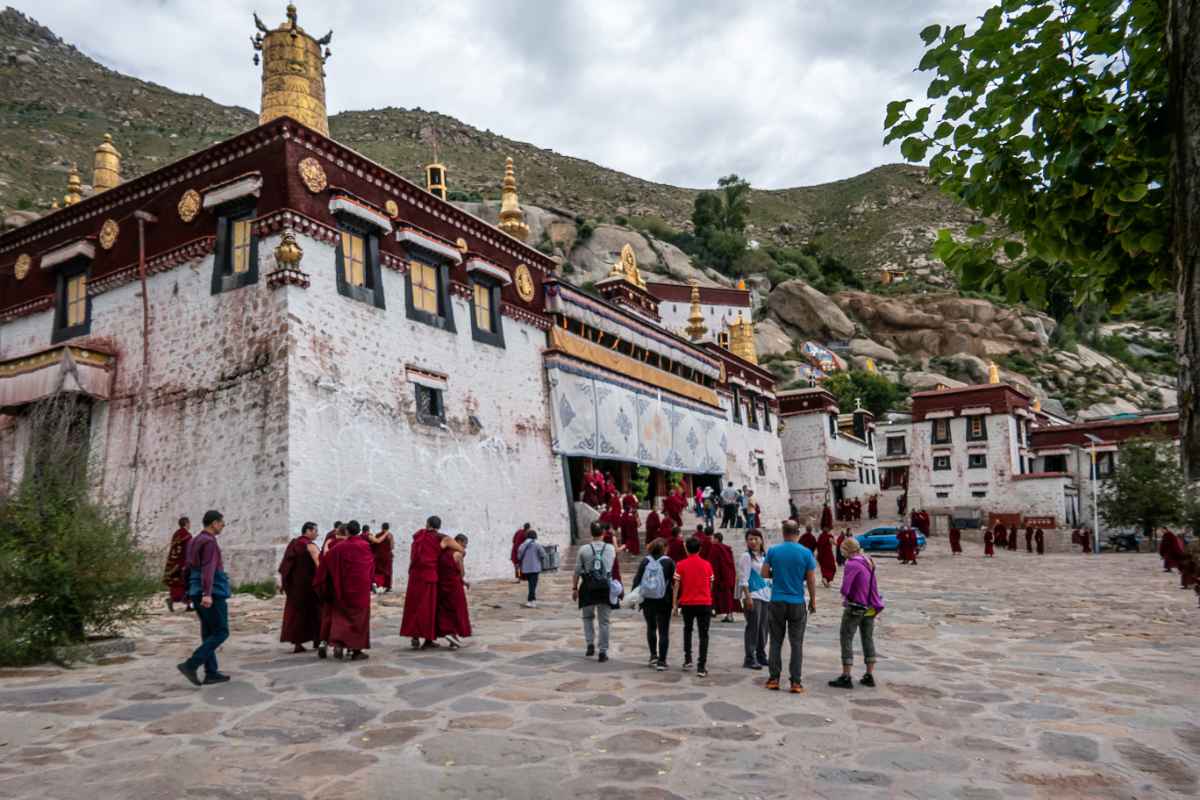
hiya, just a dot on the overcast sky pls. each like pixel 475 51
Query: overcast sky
pixel 783 92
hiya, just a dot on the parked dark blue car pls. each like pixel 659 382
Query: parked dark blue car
pixel 884 539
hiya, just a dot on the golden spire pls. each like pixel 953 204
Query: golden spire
pixel 435 175
pixel 741 284
pixel 993 372
pixel 293 73
pixel 512 218
pixel 1037 404
pixel 741 339
pixel 74 187
pixel 106 166
pixel 696 329
pixel 871 366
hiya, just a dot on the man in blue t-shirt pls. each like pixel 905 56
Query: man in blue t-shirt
pixel 789 565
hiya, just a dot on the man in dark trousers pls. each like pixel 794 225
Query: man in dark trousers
pixel 208 587
pixel 790 566
pixel 729 506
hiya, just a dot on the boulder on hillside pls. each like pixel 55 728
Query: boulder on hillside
pixel 921 381
pixel 871 349
pixel 967 364
pixel 1111 408
pixel 770 339
pixel 801 307
pixel 673 265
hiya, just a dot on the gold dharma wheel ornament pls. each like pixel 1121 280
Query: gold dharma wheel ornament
pixel 313 175
pixel 392 209
pixel 109 232
pixel 461 244
pixel 21 268
pixel 189 205
pixel 524 282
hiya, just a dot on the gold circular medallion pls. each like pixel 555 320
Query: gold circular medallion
pixel 21 268
pixel 461 244
pixel 524 283
pixel 392 209
pixel 189 205
pixel 313 175
pixel 108 233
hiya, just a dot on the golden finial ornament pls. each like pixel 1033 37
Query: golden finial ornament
pixel 435 175
pixel 741 284
pixel 106 166
pixel 74 187
pixel 871 366
pixel 993 372
pixel 288 253
pixel 741 339
pixel 293 73
pixel 1037 405
pixel 626 267
pixel 696 329
pixel 512 218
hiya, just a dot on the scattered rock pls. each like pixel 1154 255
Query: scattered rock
pixel 809 311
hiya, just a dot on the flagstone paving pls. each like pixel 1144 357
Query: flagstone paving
pixel 1021 677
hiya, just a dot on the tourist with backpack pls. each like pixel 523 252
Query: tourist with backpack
pixel 530 557
pixel 653 581
pixel 590 586
pixel 861 607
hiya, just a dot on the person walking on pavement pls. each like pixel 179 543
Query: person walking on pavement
pixel 861 607
pixel 530 556
pixel 790 566
pixel 208 588
pixel 729 506
pixel 590 586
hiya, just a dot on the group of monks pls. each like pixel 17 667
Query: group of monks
pixel 1002 537
pixel 826 548
pixel 329 588
pixel 621 513
pixel 852 510
pixel 1176 554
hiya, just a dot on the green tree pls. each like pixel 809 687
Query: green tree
pixel 1146 489
pixel 719 218
pixel 707 212
pixel 1072 125
pixel 877 394
pixel 735 202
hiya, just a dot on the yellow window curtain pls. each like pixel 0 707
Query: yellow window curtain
pixel 483 307
pixel 76 300
pixel 353 259
pixel 424 287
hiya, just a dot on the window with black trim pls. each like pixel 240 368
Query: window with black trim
pixel 1056 463
pixel 762 468
pixel 72 307
pixel 737 406
pixel 235 257
pixel 427 293
pixel 979 494
pixel 976 428
pixel 752 408
pixel 941 463
pixel 431 408
pixel 976 460
pixel 833 426
pixel 941 431
pixel 358 273
pixel 766 416
pixel 895 446
pixel 1104 465
pixel 486 325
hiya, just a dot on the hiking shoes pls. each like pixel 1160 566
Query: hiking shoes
pixel 842 682
pixel 867 680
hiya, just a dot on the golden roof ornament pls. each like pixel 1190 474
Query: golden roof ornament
pixel 106 166
pixel 871 366
pixel 435 175
pixel 1037 405
pixel 512 218
pixel 993 372
pixel 626 267
pixel 741 339
pixel 74 187
pixel 696 329
pixel 293 73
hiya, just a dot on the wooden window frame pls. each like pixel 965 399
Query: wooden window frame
pixel 438 419
pixel 971 422
pixel 976 460
pixel 495 335
pixel 942 460
pixel 948 438
pixel 444 319
pixel 891 451
pixel 224 279
pixel 62 331
pixel 371 292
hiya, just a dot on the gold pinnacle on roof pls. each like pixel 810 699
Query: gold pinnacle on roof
pixel 74 187
pixel 512 218
pixel 1037 404
pixel 293 73
pixel 626 267
pixel 435 175
pixel 106 166
pixel 993 372
pixel 696 329
pixel 741 339
pixel 871 366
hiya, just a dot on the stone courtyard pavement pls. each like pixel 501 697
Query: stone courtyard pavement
pixel 1062 676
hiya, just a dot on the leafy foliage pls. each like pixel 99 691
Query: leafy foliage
pixel 1051 118
pixel 1146 489
pixel 719 219
pixel 69 568
pixel 877 393
pixel 640 482
pixel 263 590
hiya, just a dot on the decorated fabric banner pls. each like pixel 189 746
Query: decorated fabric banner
pixel 601 416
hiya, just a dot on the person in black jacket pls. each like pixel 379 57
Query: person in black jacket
pixel 657 611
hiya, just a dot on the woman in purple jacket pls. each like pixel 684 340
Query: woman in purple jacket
pixel 861 606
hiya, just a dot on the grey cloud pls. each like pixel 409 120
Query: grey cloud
pixel 783 92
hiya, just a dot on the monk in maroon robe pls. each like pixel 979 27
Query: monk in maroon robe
pixel 999 536
pixel 453 613
pixel 873 507
pixel 333 537
pixel 826 518
pixel 837 546
pixel 809 539
pixel 724 578
pixel 173 571
pixel 673 506
pixel 610 490
pixel 653 527
pixel 706 543
pixel 955 541
pixel 826 558
pixel 676 549
pixel 610 538
pixel 351 570
pixel 629 532
pixel 518 540
pixel 323 587
pixel 1085 537
pixel 1012 537
pixel 421 595
pixel 629 502
pixel 302 608
pixel 383 547
pixel 666 528
pixel 1028 539
pixel 1039 539
pixel 1171 550
pixel 989 550
pixel 914 546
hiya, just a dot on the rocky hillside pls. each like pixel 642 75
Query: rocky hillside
pixel 56 103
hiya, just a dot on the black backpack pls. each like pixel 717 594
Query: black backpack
pixel 595 578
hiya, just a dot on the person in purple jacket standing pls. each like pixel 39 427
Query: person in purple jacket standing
pixel 208 587
pixel 861 606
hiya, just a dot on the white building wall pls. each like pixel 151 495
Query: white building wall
pixel 215 431
pixel 806 458
pixel 717 317
pixel 357 449
pixel 746 447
